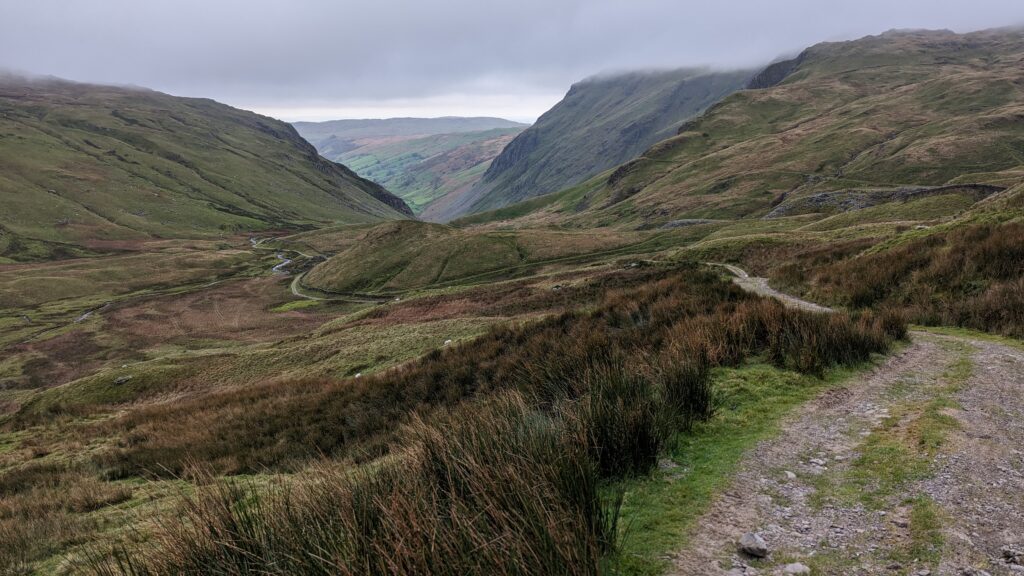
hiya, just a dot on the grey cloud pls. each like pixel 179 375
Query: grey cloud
pixel 277 53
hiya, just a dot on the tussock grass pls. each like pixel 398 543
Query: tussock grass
pixel 682 315
pixel 970 276
pixel 491 488
pixel 44 507
pixel 506 444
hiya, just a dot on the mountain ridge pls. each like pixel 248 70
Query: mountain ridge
pixel 602 121
pixel 903 108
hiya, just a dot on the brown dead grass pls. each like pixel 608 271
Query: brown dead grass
pixel 235 311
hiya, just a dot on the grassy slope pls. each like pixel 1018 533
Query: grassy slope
pixel 407 255
pixel 600 123
pixel 903 108
pixel 82 163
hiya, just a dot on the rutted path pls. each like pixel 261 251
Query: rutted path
pixel 915 468
pixel 760 286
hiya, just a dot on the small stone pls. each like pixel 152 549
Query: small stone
pixel 753 545
pixel 924 572
pixel 790 475
pixel 667 464
pixel 817 461
pixel 122 379
pixel 796 568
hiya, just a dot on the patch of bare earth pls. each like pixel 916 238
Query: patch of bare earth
pixel 980 482
pixel 786 490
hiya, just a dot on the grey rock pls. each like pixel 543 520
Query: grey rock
pixel 796 568
pixel 753 545
pixel 687 222
pixel 122 379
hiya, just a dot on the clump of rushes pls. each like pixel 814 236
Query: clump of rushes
pixel 490 488
pixel 624 419
pixel 507 441
pixel 679 315
pixel 972 276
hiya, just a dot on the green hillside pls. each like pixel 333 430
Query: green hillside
pixel 408 255
pixel 436 168
pixel 84 164
pixel 422 160
pixel 889 114
pixel 601 122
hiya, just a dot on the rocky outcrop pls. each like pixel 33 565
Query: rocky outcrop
pixel 601 123
pixel 774 74
pixel 849 200
pixel 378 192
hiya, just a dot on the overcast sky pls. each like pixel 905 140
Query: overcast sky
pixel 323 59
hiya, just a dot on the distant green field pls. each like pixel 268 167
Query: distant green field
pixel 422 170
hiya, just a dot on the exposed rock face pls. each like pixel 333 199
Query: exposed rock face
pixel 601 123
pixel 849 200
pixel 687 222
pixel 378 192
pixel 775 73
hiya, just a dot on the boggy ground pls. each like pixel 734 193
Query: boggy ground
pixel 916 468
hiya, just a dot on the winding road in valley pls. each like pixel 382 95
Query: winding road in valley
pixel 916 468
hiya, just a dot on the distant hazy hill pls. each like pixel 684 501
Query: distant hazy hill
pixel 844 121
pixel 82 163
pixel 319 133
pixel 601 122
pixel 419 159
pixel 427 171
